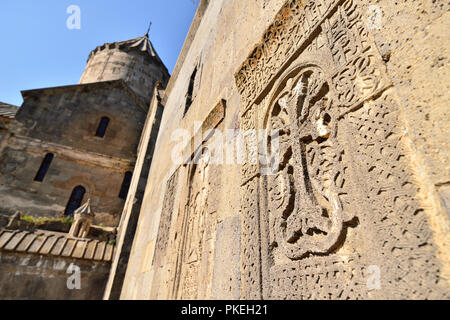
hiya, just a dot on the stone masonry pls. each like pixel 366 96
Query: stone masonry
pixel 356 207
pixel 66 145
pixel 299 150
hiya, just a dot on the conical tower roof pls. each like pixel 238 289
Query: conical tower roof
pixel 85 209
pixel 142 44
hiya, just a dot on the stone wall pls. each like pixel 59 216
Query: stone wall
pixel 133 203
pixel 7 114
pixel 138 69
pixel 218 46
pixel 63 121
pixel 3 127
pixel 38 277
pixel 49 198
pixel 358 205
pixel 70 116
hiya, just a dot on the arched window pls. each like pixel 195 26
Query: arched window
pixel 125 185
pixel 190 92
pixel 75 200
pixel 45 165
pixel 101 130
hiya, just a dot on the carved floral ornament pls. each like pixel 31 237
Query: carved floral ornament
pixel 309 193
pixel 304 196
pixel 340 157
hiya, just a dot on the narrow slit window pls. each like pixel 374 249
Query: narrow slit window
pixel 75 201
pixel 190 92
pixel 45 165
pixel 101 130
pixel 125 185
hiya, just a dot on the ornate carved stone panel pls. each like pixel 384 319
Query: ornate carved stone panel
pixel 292 29
pixel 342 197
pixel 359 72
pixel 304 196
pixel 396 225
pixel 188 268
pixel 196 232
pixel 250 165
pixel 251 241
pixel 319 278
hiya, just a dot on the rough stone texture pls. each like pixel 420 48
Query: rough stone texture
pixel 38 277
pixel 362 183
pixel 7 114
pixel 227 274
pixel 64 121
pixel 134 61
pixel 420 70
pixel 4 220
pixel 118 83
pixel 70 116
pixel 130 213
pixel 444 193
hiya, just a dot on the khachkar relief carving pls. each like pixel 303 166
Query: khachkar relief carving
pixel 358 72
pixel 290 31
pixel 342 196
pixel 305 195
pixel 310 197
pixel 198 233
pixel 398 227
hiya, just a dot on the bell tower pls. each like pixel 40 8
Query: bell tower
pixel 135 61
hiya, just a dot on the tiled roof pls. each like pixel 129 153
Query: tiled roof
pixel 8 110
pixel 55 244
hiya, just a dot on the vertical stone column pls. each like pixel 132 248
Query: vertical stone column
pixel 251 236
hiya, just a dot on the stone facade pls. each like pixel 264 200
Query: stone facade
pixel 64 146
pixel 133 204
pixel 7 114
pixel 39 265
pixel 357 206
pixel 33 277
pixel 64 121
pixel 298 151
pixel 135 61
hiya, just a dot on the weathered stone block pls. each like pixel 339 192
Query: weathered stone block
pixel 226 284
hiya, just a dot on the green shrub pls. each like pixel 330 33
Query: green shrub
pixel 42 220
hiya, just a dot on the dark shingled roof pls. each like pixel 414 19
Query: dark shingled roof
pixel 8 110
pixel 55 244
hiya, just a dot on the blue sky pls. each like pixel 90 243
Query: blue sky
pixel 39 51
